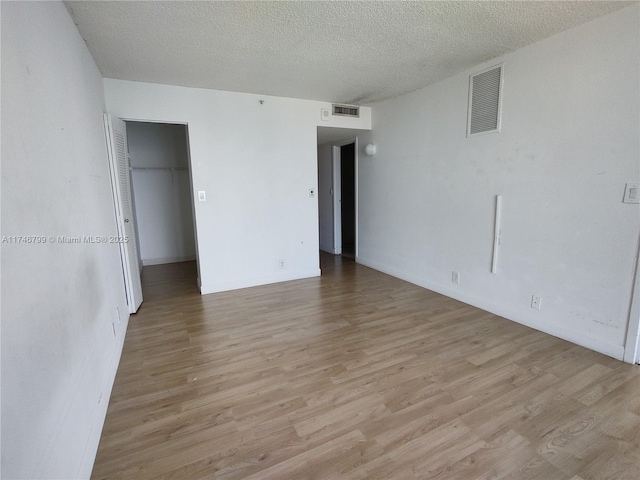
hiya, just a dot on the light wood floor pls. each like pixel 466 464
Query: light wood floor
pixel 357 375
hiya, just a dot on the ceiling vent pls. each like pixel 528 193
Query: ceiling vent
pixel 346 110
pixel 485 99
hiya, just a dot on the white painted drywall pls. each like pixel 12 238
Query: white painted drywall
pixel 256 162
pixel 569 142
pixel 162 194
pixel 59 354
pixel 325 197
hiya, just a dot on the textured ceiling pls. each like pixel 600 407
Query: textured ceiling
pixel 351 52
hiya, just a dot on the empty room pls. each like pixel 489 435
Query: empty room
pixel 328 240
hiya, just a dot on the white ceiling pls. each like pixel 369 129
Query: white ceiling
pixel 352 52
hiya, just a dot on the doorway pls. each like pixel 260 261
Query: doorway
pixel 338 192
pixel 162 195
pixel 348 199
pixel 345 200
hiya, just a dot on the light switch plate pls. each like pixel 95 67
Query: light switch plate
pixel 631 193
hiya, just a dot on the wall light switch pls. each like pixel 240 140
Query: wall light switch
pixel 631 193
pixel 202 196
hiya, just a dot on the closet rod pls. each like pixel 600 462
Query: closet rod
pixel 171 169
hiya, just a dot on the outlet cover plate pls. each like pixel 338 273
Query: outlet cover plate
pixel 536 302
pixel 631 193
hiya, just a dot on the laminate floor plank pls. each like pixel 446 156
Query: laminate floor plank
pixel 356 375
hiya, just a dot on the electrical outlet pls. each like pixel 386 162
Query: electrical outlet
pixel 281 264
pixel 536 302
pixel 631 193
pixel 455 277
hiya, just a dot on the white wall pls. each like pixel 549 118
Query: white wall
pixel 162 194
pixel 325 197
pixel 569 142
pixel 256 162
pixel 59 354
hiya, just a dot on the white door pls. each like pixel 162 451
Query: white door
pixel 116 132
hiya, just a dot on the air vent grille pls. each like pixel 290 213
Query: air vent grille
pixel 346 110
pixel 485 95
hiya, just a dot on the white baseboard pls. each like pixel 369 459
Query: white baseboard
pixel 328 249
pixel 254 282
pixel 606 348
pixel 163 260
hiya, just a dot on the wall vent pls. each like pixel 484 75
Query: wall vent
pixel 485 101
pixel 346 110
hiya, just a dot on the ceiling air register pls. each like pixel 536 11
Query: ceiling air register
pixel 346 110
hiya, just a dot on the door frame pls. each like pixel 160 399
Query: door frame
pixel 336 164
pixel 191 182
pixel 632 342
